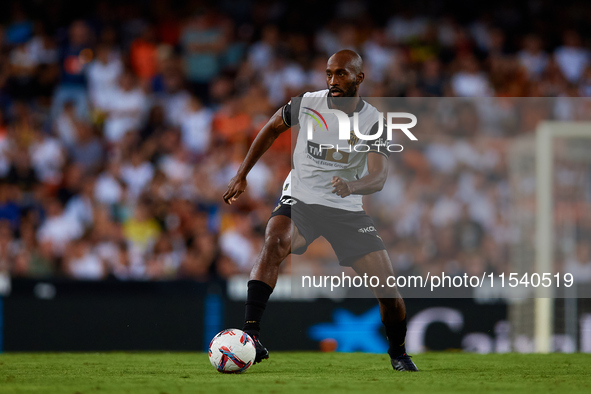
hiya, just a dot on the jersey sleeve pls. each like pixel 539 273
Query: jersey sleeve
pixel 379 145
pixel 292 107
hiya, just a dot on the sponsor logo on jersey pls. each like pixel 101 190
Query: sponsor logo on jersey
pixel 369 229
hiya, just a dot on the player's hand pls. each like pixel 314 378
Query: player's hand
pixel 236 187
pixel 341 188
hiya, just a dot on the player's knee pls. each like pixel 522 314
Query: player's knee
pixel 278 244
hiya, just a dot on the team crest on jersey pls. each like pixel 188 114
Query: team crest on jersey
pixel 353 139
pixel 286 186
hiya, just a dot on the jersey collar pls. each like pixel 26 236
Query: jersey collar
pixel 359 107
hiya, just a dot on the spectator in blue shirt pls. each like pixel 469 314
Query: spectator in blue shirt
pixel 74 57
pixel 9 210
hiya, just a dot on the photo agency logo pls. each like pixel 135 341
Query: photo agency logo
pixel 361 138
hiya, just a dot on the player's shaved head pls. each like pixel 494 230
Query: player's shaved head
pixel 347 59
pixel 344 73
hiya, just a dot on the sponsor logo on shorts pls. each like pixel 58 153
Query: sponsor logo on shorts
pixel 369 229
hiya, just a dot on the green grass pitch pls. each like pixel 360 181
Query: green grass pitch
pixel 297 372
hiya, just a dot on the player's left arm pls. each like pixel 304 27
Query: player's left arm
pixel 373 181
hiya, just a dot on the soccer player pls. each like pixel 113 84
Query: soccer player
pixel 329 196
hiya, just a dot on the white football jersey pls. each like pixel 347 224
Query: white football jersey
pixel 315 164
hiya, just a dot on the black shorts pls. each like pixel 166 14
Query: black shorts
pixel 352 235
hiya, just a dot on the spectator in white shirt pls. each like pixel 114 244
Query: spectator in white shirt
pixel 176 166
pixel 126 108
pixel 137 174
pixel 80 206
pixel 532 57
pixel 470 81
pixel 447 209
pixel 121 266
pixel 378 56
pixel 283 79
pixel 406 26
pixel 196 127
pixel 109 189
pixel 571 57
pixel 48 157
pixel 103 75
pixel 42 47
pixel 22 63
pixel 66 124
pixel 82 263
pixel 261 53
pixel 58 229
pixel 238 245
pixel 440 154
pixel 175 99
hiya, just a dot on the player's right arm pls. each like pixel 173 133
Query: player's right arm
pixel 264 139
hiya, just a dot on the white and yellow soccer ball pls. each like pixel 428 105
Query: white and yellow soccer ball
pixel 232 351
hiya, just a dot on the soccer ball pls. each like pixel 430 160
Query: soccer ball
pixel 232 351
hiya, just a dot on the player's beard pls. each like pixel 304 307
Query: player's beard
pixel 351 91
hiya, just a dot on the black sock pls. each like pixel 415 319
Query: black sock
pixel 256 301
pixel 396 334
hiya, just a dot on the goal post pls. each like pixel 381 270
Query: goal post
pixel 544 255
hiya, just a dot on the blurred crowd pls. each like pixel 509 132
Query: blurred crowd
pixel 121 123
